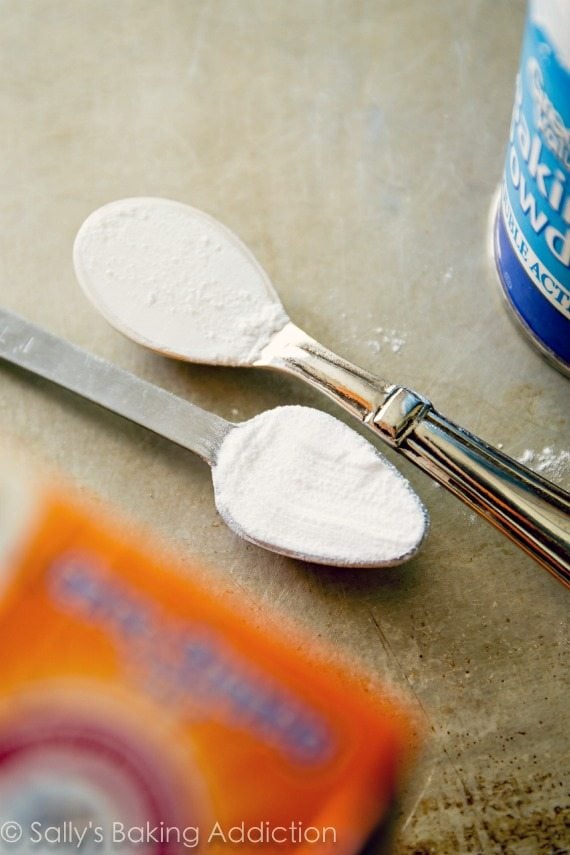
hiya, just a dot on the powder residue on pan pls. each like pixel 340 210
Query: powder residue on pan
pixel 547 461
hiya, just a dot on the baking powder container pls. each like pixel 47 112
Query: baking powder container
pixel 532 222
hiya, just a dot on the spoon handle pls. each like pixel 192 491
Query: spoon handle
pixel 33 348
pixel 528 509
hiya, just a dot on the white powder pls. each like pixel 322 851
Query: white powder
pixel 301 481
pixel 390 338
pixel 176 280
pixel 547 461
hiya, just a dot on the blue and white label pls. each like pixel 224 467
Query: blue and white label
pixel 533 224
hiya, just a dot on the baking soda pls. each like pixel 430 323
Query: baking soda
pixel 307 484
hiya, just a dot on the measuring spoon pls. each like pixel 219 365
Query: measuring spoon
pixel 176 280
pixel 275 476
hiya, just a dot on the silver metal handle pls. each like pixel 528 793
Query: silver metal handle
pixel 528 509
pixel 33 348
pixel 531 511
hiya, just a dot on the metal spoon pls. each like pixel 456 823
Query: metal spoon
pixel 206 434
pixel 527 508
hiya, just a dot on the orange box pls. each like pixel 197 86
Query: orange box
pixel 142 707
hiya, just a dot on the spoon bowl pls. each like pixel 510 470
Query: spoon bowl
pixel 297 481
pixel 177 281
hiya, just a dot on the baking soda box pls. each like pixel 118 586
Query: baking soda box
pixel 144 709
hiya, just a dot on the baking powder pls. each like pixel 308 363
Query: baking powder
pixel 532 225
pixel 176 280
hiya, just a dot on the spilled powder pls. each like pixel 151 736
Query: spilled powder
pixel 547 462
pixel 386 338
pixel 176 280
pixel 305 483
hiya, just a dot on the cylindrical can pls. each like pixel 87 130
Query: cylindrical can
pixel 532 223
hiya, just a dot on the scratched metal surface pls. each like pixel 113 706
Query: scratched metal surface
pixel 355 147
